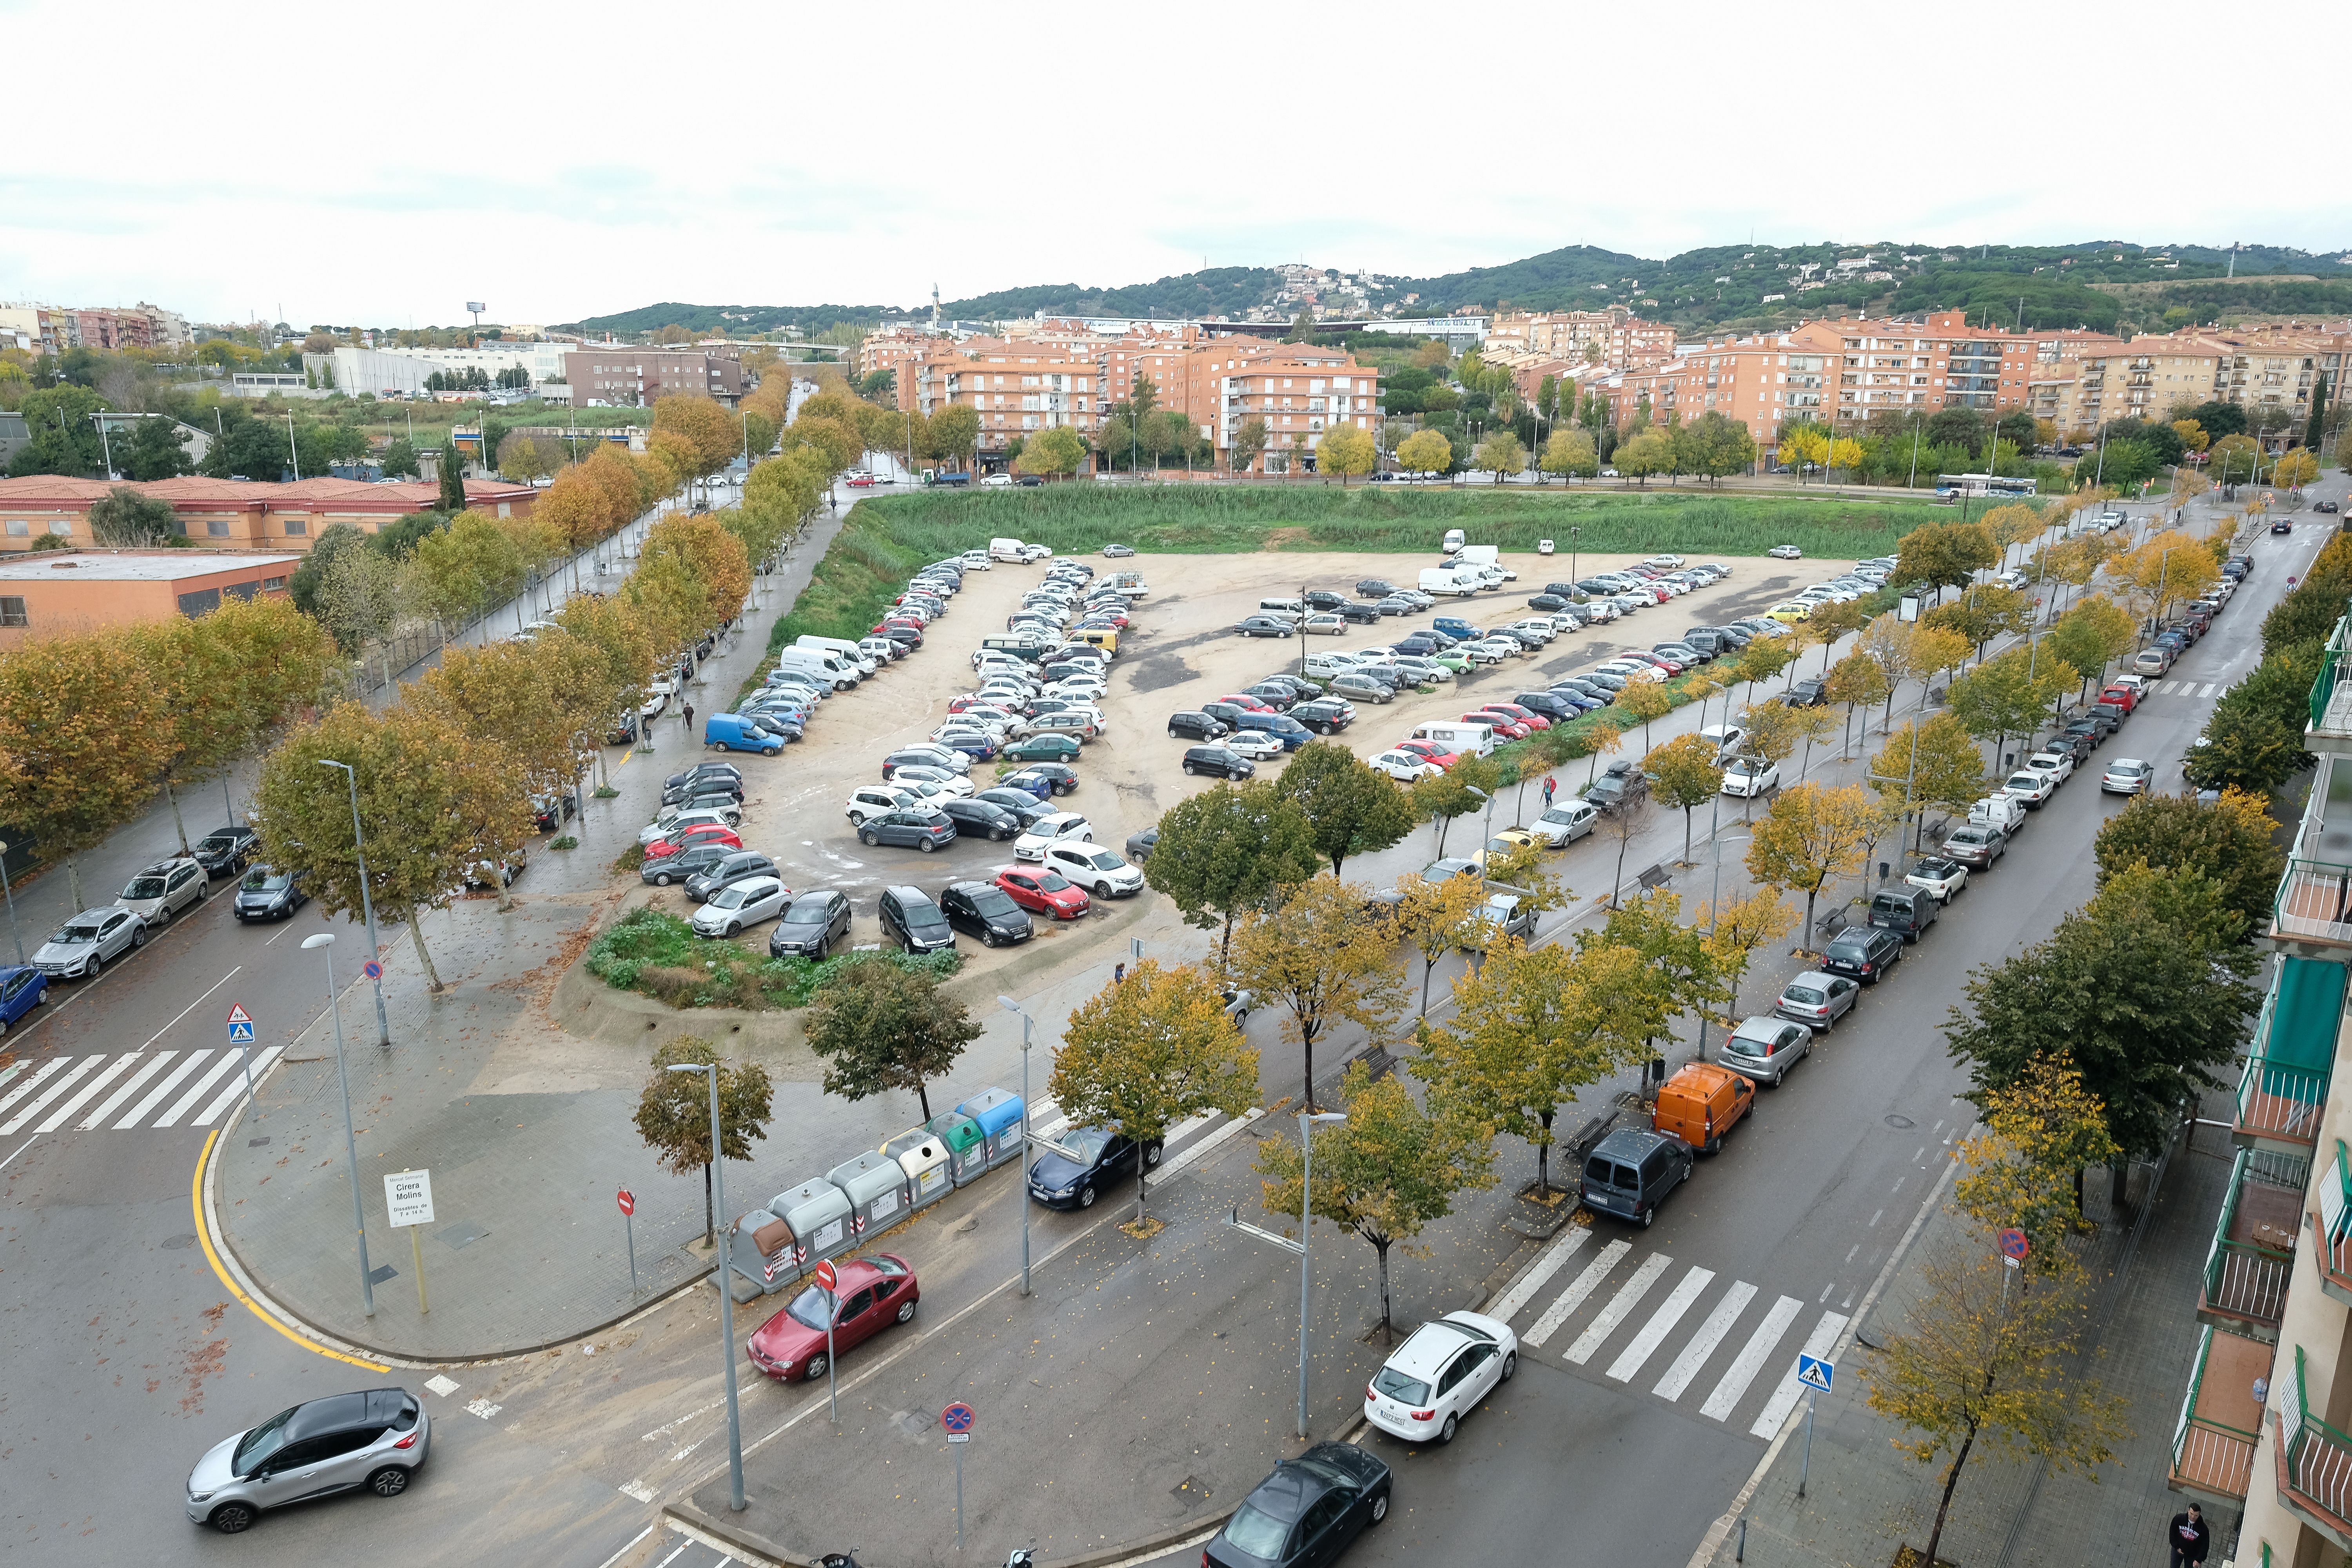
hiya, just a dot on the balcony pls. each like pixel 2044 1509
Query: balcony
pixel 2312 913
pixel 2330 730
pixel 2213 1441
pixel 2331 1227
pixel 2253 1255
pixel 2315 1461
pixel 2285 1083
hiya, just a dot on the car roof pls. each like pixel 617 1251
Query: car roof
pixel 1764 1026
pixel 1813 977
pixel 1431 1346
pixel 1630 1144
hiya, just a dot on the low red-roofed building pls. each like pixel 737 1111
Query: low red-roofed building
pixel 240 514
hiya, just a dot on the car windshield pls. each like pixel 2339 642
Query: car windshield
pixel 1397 1386
pixel 1051 882
pixel 1105 861
pixel 77 932
pixel 144 888
pixel 1805 994
pixel 261 1441
pixel 808 1309
pixel 992 904
pixel 1968 835
pixel 1255 1533
pixel 1087 1141
pixel 218 841
pixel 729 898
pixel 808 912
pixel 261 880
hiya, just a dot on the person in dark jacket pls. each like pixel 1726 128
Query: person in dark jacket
pixel 2188 1538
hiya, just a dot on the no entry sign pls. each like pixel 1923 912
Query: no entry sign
pixel 627 1200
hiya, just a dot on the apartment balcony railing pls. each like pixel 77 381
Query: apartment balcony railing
pixel 2279 1106
pixel 2315 1461
pixel 2331 1225
pixel 2313 910
pixel 2331 699
pixel 2252 1257
pixel 2285 1086
pixel 2213 1440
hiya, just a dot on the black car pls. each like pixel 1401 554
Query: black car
pixel 1374 588
pixel 1140 844
pixel 912 828
pixel 1617 783
pixel 1218 762
pixel 1322 717
pixel 1307 1512
pixel 1060 778
pixel 1229 714
pixel 1195 725
pixel 1020 805
pixel 548 811
pixel 1810 692
pixel 2076 743
pixel 267 894
pixel 1324 599
pixel 1545 703
pixel 813 923
pixel 725 772
pixel 1551 603
pixel 911 920
pixel 1567 591
pixel 688 862
pixel 984 819
pixel 987 911
pixel 1059 1182
pixel 2282 526
pixel 732 867
pixel 2328 506
pixel 1358 614
pixel 225 852
pixel 2098 726
pixel 1865 953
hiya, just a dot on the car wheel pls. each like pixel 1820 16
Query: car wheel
pixel 734 929
pixel 1151 1152
pixel 233 1517
pixel 1445 1433
pixel 866 839
pixel 663 880
pixel 1648 1219
pixel 1510 1365
pixel 905 1312
pixel 716 745
pixel 1189 768
pixel 817 1364
pixel 988 939
pixel 164 917
pixel 1087 1196
pixel 138 939
pixel 1102 889
pixel 1379 1508
pixel 390 1481
pixel 927 846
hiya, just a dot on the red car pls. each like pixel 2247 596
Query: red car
pixel 1502 724
pixel 1431 750
pixel 1246 703
pixel 875 1293
pixel 861 482
pixel 2121 697
pixel 1527 716
pixel 700 832
pixel 1047 892
pixel 1661 660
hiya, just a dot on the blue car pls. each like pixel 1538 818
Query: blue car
pixel 21 991
pixel 978 747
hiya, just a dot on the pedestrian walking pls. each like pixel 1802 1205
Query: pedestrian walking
pixel 1550 784
pixel 2188 1538
pixel 689 716
pixel 1118 974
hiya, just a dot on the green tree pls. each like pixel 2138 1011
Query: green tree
pixel 453 481
pixel 1323 962
pixel 1683 775
pixel 1432 917
pixel 1385 1173
pixel 1458 791
pixel 1935 761
pixel 1425 452
pixel 1148 1052
pixel 127 519
pixel 1639 456
pixel 1571 451
pixel 2008 694
pixel 1351 808
pixel 1228 849
pixel 156 448
pixel 469 567
pixel 674 1112
pixel 2246 748
pixel 2231 840
pixel 82 742
pixel 1811 835
pixel 2089 635
pixel 2041 1132
pixel 879 1026
pixel 1646 700
pixel 1058 452
pixel 1501 454
pixel 1248 444
pixel 60 438
pixel 1945 554
pixel 400 459
pixel 955 433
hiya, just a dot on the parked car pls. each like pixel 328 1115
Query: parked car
pixel 1194 725
pixel 732 866
pixel 375 1439
pixel 700 832
pixel 1095 868
pixel 1785 552
pixel 1631 1171
pixel 1218 761
pixel 1432 1382
pixel 1816 1000
pixel 1765 1048
pixel 870 1294
pixel 2028 788
pixel 985 911
pixel 22 989
pixel 1103 1157
pixel 1042 749
pixel 924 827
pixel 1044 892
pixel 164 889
pixel 1747 778
pixel 1265 626
pixel 685 864
pixel 1618 782
pixel 225 852
pixel 1060 826
pixel 1938 875
pixel 267 894
pixel 739 904
pixel 1864 952
pixel 86 943
pixel 1908 911
pixel 980 819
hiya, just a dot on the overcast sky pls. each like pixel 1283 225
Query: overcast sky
pixel 382 166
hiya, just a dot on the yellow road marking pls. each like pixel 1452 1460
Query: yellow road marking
pixel 196 1201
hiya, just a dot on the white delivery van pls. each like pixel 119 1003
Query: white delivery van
pixel 2000 811
pixel 821 665
pixel 1007 549
pixel 1487 559
pixel 1454 540
pixel 1449 579
pixel 1462 739
pixel 842 646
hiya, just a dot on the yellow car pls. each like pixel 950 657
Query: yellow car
pixel 1506 839
pixel 1794 610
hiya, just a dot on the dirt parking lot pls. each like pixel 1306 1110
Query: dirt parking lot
pixel 1179 652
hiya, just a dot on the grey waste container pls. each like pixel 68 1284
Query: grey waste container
pixel 923 1156
pixel 818 1212
pixel 761 1252
pixel 879 1192
pixel 967 1148
pixel 997 1113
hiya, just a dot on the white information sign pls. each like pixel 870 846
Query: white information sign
pixel 408 1197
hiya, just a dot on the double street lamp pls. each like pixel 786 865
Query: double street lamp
pixel 1308 1122
pixel 325 942
pixel 726 1295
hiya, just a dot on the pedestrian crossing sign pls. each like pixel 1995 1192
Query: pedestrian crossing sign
pixel 240 1031
pixel 1814 1372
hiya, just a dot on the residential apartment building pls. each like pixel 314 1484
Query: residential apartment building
pixel 1017 388
pixel 2143 379
pixel 2264 1423
pixel 617 376
pixel 894 346
pixel 240 514
pixel 2274 373
pixel 1917 364
pixel 1760 381
pixel 45 329
pixel 1301 391
pixel 1615 338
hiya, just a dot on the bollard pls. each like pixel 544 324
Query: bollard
pixel 1739 1554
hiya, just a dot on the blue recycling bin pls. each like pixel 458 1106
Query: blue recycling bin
pixel 997 1113
pixel 878 1191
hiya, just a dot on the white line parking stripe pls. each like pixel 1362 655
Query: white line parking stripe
pixel 1540 1273
pixel 1733 1385
pixel 88 1091
pixel 1629 1296
pixel 1703 1343
pixel 1574 1297
pixel 128 1087
pixel 1662 1324
pixel 170 1118
pixel 1784 1398
pixel 26 1088
pixel 235 1088
pixel 56 1087
pixel 139 1112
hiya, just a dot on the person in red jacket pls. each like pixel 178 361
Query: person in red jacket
pixel 2188 1538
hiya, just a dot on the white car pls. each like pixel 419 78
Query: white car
pixel 2029 789
pixel 1564 822
pixel 1404 766
pixel 1634 669
pixel 1324 666
pixel 997 479
pixel 935 756
pixel 1536 626
pixel 950 785
pixel 674 821
pixel 739 904
pixel 83 945
pixel 1432 1382
pixel 1939 876
pixel 163 889
pixel 1747 779
pixel 1254 744
pixel 2059 765
pixel 873 800
pixel 1785 552
pixel 1485 650
pixel 2127 775
pixel 1724 738
pixel 1054 827
pixel 1102 872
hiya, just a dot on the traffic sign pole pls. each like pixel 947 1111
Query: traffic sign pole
pixel 1805 1471
pixel 957 1419
pixel 832 1377
pixel 628 1202
pixel 240 1030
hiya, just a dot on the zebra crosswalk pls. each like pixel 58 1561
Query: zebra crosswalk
pixel 151 1090
pixel 2186 689
pixel 1647 1331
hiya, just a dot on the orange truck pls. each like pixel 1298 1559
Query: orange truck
pixel 1701 1103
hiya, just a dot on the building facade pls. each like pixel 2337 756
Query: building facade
pixel 1017 388
pixel 238 514
pixel 615 375
pixel 62 591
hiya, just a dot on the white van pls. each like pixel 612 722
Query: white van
pixel 1454 540
pixel 2000 811
pixel 1488 557
pixel 842 646
pixel 1448 580
pixel 1006 550
pixel 1462 739
pixel 821 664
pixel 1288 609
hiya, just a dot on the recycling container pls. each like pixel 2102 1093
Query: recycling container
pixel 818 1212
pixel 877 1190
pixel 998 1113
pixel 923 1155
pixel 967 1147
pixel 761 1252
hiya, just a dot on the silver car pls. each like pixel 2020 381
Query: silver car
pixel 739 904
pixel 88 941
pixel 1816 1000
pixel 376 1438
pixel 164 889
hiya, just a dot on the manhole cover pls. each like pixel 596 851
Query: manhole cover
pixel 178 1242
pixel 1899 1123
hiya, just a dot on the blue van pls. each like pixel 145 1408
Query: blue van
pixel 1455 627
pixel 732 732
pixel 1281 726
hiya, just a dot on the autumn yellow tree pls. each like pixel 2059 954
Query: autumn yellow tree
pixel 1425 452
pixel 1434 918
pixel 1646 700
pixel 1811 835
pixel 1346 451
pixel 2170 568
pixel 1736 929
pixel 714 436
pixel 84 739
pixel 1323 963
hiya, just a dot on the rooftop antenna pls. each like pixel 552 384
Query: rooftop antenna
pixel 935 304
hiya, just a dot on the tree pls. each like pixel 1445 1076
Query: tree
pixel 706 555
pixel 2090 634
pixel 1830 622
pixel 1459 791
pixel 1650 452
pixel 1323 962
pixel 1248 443
pixel 60 435
pixel 127 519
pixel 1978 1360
pixel 1736 929
pixel 1057 452
pixel 1351 808
pixel 399 459
pixel 1645 700
pixel 469 567
pixel 157 449
pixel 1501 454
pixel 1683 775
pixel 2229 840
pixel 1761 661
pixel 2170 568
pixel 2040 1132
pixel 955 433
pixel 2009 693
pixel 1347 451
pixel 82 742
pixel 879 1027
pixel 2315 429
pixel 433 804
pixel 1985 612
pixel 1228 849
pixel 451 467
pixel 1945 554
pixel 1933 762
pixel 1571 451
pixel 2295 469
pixel 674 1113
pixel 1811 835
pixel 1148 1052
pixel 1385 1173
pixel 1425 452
pixel 543 700
pixel 1432 917
pixel 1531 1027
pixel 2244 748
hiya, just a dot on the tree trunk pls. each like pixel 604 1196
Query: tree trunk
pixel 73 877
pixel 710 1221
pixel 178 825
pixel 923 1099
pixel 1624 839
pixel 1306 1054
pixel 1686 834
pixel 1142 1185
pixel 432 975
pixel 1387 1334
pixel 1806 936
pixel 1543 1158
pixel 1944 1506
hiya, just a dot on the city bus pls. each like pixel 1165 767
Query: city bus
pixel 1952 486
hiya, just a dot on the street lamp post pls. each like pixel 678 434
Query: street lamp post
pixel 367 904
pixel 325 941
pixel 9 893
pixel 726 1297
pixel 1011 1006
pixel 1575 531
pixel 1306 1124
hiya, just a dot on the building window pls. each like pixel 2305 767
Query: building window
pixel 63 529
pixel 202 602
pixel 273 585
pixel 12 612
pixel 18 528
pixel 216 528
pixel 298 526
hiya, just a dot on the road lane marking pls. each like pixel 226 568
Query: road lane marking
pixel 1733 1385
pixel 1540 1274
pixel 1629 1296
pixel 220 1270
pixel 1703 1343
pixel 30 1084
pixel 128 1087
pixel 1574 1297
pixel 1784 1398
pixel 55 1088
pixel 155 1098
pixel 18 1150
pixel 227 1061
pixel 1662 1324
pixel 88 1091
pixel 235 1088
